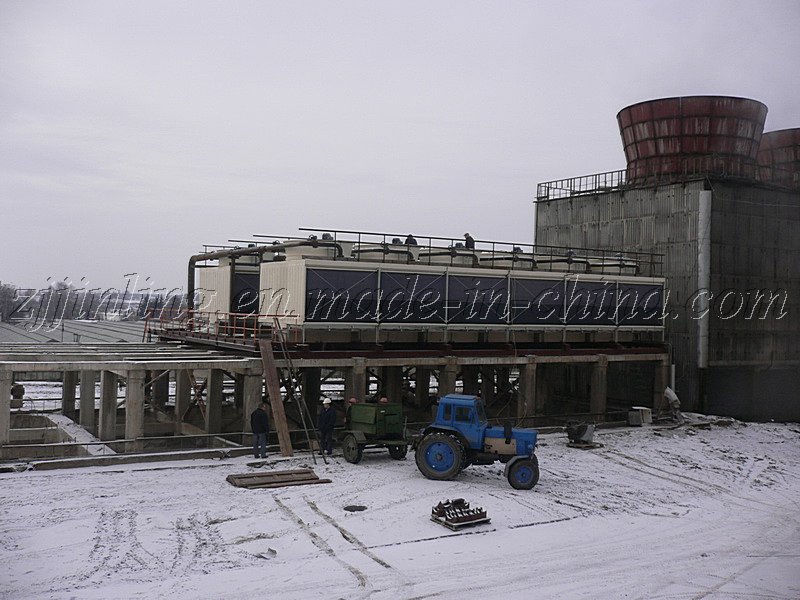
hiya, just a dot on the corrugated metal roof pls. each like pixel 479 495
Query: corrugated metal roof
pixel 73 331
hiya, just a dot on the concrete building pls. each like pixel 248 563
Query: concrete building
pixel 724 209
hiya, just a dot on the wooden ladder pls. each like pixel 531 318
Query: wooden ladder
pixel 272 381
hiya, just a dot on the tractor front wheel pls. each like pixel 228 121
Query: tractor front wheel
pixel 524 474
pixel 398 452
pixel 351 450
pixel 439 456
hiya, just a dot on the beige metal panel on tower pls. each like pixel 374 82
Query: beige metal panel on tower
pixel 214 285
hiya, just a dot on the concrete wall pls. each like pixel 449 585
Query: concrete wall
pixel 760 395
pixel 755 245
pixel 662 220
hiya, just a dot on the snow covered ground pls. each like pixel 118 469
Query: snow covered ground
pixel 670 514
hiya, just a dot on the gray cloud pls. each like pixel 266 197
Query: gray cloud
pixel 132 132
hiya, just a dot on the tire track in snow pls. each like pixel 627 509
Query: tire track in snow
pixel 542 506
pixel 675 478
pixel 359 545
pixel 320 543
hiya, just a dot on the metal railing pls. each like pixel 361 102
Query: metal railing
pixel 437 250
pixel 665 170
pixel 217 325
pixel 583 184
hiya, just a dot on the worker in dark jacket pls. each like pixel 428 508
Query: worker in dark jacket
pixel 411 240
pixel 469 242
pixel 259 423
pixel 327 421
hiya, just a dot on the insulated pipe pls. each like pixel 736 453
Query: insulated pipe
pixel 703 275
pixel 236 252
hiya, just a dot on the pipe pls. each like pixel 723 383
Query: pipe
pixel 703 274
pixel 453 252
pixel 385 248
pixel 250 250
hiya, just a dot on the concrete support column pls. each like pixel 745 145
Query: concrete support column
pixel 422 391
pixel 393 383
pixel 526 389
pixel 310 380
pixel 6 377
pixel 69 381
pixel 253 395
pixel 487 384
pixel 447 379
pixel 503 380
pixel 355 380
pixel 540 402
pixel 214 401
pixel 599 386
pixel 660 378
pixel 161 389
pixel 238 391
pixel 107 428
pixel 183 396
pixel 148 386
pixel 134 409
pixel 88 379
pixel 469 379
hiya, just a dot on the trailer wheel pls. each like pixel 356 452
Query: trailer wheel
pixel 398 452
pixel 439 456
pixel 351 450
pixel 524 474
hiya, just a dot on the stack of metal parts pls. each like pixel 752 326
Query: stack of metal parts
pixel 581 435
pixel 457 513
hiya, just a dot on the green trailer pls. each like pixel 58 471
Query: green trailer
pixel 374 426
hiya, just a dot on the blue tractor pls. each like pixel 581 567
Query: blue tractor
pixel 461 436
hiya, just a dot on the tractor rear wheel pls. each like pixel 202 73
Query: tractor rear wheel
pixel 398 452
pixel 351 450
pixel 524 474
pixel 440 456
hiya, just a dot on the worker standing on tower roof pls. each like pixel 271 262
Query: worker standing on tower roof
pixel 411 240
pixel 469 242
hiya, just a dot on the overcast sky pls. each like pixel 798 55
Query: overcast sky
pixel 133 132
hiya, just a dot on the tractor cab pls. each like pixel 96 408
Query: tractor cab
pixel 464 414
